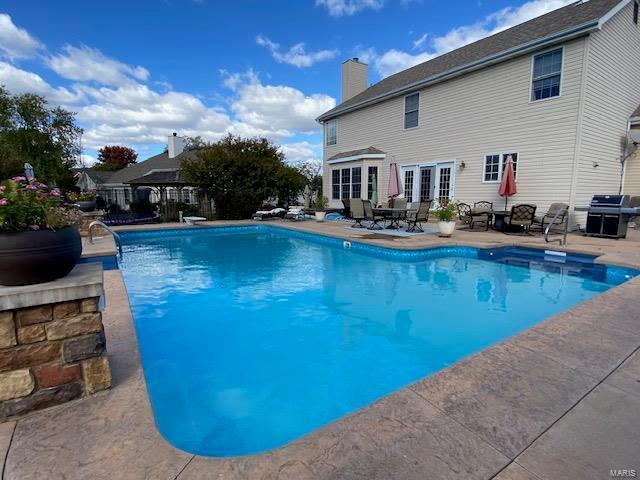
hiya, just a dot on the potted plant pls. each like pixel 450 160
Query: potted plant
pixel 446 214
pixel 85 201
pixel 319 206
pixel 38 238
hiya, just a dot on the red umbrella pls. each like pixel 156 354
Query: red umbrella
pixel 395 185
pixel 508 184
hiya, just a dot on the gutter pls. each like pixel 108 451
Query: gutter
pixel 563 36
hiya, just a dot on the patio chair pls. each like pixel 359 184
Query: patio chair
pixel 483 205
pixel 399 203
pixel 415 218
pixel 346 211
pixel 548 217
pixel 369 215
pixel 357 212
pixel 266 214
pixel 469 217
pixel 295 213
pixel 522 217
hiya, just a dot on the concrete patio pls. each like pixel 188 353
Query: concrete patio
pixel 560 400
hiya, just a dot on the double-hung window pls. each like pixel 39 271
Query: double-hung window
pixel 330 132
pixel 356 182
pixel 547 75
pixel 411 110
pixel 494 165
pixel 335 184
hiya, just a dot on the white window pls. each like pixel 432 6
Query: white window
pixel 411 110
pixel 547 75
pixel 330 132
pixel 346 183
pixel 494 165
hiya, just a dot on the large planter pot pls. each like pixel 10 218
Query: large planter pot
pixel 38 256
pixel 446 228
pixel 320 216
pixel 86 206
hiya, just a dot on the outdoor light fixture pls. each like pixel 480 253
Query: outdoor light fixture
pixel 463 165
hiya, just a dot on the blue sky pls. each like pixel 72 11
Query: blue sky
pixel 135 71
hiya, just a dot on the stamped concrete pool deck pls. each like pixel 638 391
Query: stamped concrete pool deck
pixel 560 400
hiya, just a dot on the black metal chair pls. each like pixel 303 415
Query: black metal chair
pixel 370 216
pixel 415 218
pixel 521 217
pixel 357 212
pixel 468 217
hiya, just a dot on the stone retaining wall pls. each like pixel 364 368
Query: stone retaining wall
pixel 50 354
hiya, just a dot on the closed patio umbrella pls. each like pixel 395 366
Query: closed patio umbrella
pixel 508 184
pixel 374 189
pixel 395 185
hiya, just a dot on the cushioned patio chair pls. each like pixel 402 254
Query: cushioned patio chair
pixel 357 212
pixel 483 205
pixel 370 216
pixel 399 203
pixel 546 219
pixel 470 217
pixel 415 218
pixel 521 217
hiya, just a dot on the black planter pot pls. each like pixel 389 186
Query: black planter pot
pixel 38 256
pixel 86 206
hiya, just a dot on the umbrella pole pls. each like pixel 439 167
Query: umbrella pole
pixel 505 202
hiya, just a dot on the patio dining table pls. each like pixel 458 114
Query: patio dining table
pixel 394 215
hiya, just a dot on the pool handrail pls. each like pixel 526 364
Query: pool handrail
pixel 562 240
pixel 116 237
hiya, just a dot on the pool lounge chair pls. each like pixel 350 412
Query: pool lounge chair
pixel 295 213
pixel 267 214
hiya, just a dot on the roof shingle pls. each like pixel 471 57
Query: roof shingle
pixel 564 19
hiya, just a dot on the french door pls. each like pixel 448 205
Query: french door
pixel 428 182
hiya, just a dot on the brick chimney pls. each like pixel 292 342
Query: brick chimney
pixel 175 145
pixel 354 78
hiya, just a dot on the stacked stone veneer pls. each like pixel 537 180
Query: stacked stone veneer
pixel 50 354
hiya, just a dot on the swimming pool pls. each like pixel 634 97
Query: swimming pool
pixel 251 337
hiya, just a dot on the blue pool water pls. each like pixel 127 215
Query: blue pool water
pixel 253 337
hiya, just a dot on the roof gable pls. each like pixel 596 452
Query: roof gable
pixel 157 162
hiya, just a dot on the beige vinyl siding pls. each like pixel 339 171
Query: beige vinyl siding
pixel 485 112
pixel 612 93
pixel 632 175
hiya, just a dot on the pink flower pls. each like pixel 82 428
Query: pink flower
pixel 55 192
pixel 2 188
pixel 18 179
pixel 3 202
pixel 31 187
pixel 34 227
pixel 42 196
pixel 41 185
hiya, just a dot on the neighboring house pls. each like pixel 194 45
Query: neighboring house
pixel 557 92
pixel 156 179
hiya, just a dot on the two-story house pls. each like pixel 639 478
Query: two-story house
pixel 558 93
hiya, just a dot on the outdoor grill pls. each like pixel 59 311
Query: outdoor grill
pixel 608 215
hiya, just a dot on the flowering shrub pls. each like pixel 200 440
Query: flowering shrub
pixel 81 197
pixel 31 205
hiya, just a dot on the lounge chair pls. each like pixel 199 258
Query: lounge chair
pixel 521 217
pixel 266 214
pixel 469 217
pixel 357 212
pixel 546 219
pixel 415 218
pixel 295 213
pixel 369 215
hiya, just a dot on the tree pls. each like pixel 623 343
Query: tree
pixel 46 137
pixel 194 143
pixel 115 157
pixel 240 174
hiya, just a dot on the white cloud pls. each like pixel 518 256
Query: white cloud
pixel 89 64
pixel 420 41
pixel 87 161
pixel 22 81
pixel 393 61
pixel 16 42
pixel 338 8
pixel 302 153
pixel 280 109
pixel 296 55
